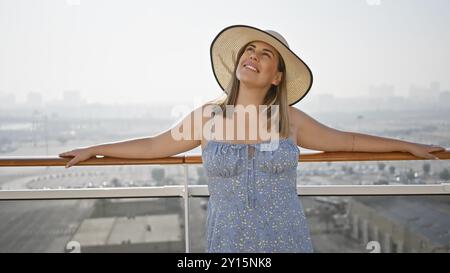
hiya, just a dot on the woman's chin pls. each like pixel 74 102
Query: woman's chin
pixel 248 79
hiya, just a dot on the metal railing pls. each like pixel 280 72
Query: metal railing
pixel 187 191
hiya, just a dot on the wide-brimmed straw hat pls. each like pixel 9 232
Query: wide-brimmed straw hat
pixel 229 41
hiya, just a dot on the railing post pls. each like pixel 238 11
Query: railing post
pixel 186 207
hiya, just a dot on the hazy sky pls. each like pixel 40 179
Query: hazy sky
pixel 156 51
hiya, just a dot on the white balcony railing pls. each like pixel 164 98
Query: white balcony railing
pixel 187 191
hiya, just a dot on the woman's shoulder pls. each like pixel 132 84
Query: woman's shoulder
pixel 297 118
pixel 295 114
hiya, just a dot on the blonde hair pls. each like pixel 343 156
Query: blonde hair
pixel 276 95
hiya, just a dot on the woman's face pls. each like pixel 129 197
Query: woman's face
pixel 258 65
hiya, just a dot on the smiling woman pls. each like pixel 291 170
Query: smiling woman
pixel 254 204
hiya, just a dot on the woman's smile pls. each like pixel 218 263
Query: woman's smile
pixel 251 66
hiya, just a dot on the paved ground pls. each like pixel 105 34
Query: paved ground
pixel 40 226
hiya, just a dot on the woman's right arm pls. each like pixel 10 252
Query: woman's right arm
pixel 167 143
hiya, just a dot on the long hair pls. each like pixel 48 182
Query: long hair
pixel 276 95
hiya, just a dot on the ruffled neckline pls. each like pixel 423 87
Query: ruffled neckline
pixel 241 145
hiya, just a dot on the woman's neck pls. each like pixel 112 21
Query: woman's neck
pixel 248 95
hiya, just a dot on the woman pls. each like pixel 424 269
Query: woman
pixel 253 205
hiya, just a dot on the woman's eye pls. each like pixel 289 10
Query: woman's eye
pixel 251 49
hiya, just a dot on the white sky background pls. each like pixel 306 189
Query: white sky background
pixel 158 51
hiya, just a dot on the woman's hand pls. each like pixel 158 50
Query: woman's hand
pixel 78 155
pixel 424 150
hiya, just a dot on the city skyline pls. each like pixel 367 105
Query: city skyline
pixel 433 90
pixel 118 52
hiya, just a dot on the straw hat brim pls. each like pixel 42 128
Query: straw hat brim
pixel 226 45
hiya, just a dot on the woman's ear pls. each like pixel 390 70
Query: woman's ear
pixel 277 79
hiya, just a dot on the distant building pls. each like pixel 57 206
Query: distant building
pixel 150 233
pixel 34 99
pixel 133 225
pixel 444 98
pixel 429 94
pixel 435 87
pixel 401 224
pixel 8 100
pixel 321 102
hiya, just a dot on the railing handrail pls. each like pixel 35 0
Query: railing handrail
pixel 42 161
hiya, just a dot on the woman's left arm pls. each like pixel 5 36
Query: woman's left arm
pixel 369 143
pixel 314 135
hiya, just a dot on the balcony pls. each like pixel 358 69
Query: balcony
pixel 56 211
